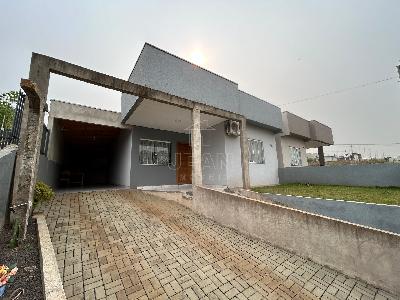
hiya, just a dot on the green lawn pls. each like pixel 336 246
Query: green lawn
pixel 389 195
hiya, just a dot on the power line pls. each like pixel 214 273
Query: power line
pixel 340 91
pixel 371 144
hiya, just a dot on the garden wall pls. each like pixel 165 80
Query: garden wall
pixel 355 250
pixel 7 160
pixel 380 216
pixel 352 175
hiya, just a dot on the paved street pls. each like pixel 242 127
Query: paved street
pixel 129 245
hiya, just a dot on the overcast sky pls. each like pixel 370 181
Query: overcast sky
pixel 280 51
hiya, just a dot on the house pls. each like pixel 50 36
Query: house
pixel 297 135
pixel 154 142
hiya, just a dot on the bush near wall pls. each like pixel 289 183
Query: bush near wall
pixel 43 192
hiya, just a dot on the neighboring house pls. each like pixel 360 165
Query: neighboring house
pixel 149 142
pixel 297 135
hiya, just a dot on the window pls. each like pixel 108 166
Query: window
pixel 154 152
pixel 256 151
pixel 295 156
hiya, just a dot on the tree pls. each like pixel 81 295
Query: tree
pixel 7 109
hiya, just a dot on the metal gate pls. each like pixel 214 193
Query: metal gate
pixel 11 136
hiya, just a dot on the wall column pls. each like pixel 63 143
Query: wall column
pixel 197 176
pixel 321 156
pixel 244 150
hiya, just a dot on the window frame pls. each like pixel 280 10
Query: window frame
pixel 154 146
pixel 262 161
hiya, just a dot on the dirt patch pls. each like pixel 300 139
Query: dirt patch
pixel 27 259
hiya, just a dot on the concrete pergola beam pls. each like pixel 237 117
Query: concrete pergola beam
pixel 36 89
pixel 73 71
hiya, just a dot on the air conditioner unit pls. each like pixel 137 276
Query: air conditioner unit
pixel 232 128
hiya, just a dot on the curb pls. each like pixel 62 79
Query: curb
pixel 52 283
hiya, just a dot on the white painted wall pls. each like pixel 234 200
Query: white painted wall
pixel 121 165
pixel 213 155
pixel 233 161
pixel 267 173
pixel 291 141
pixel 260 174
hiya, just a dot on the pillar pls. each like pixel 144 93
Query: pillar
pixel 244 150
pixel 197 177
pixel 321 156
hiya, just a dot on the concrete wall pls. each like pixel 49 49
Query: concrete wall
pixel 48 171
pixel 163 71
pixel 7 160
pixel 291 141
pixel 142 175
pixel 213 155
pixel 353 175
pixel 120 174
pixel 357 251
pixel 384 217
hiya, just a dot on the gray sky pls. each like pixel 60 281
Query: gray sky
pixel 281 51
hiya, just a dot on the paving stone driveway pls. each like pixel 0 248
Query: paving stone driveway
pixel 130 245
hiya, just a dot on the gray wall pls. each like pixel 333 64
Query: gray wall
pixel 48 171
pixel 160 70
pixel 385 217
pixel 142 175
pixel 357 251
pixel 353 175
pixel 7 160
pixel 120 173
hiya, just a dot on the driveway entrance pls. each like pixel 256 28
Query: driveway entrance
pixel 126 244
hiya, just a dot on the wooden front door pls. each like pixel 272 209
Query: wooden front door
pixel 183 163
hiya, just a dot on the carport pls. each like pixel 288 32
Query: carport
pixel 89 146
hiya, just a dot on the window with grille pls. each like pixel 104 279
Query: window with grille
pixel 295 156
pixel 154 152
pixel 256 151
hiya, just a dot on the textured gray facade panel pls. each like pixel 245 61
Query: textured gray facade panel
pixel 372 215
pixel 354 175
pixel 259 111
pixel 127 101
pixel 295 125
pixel 162 71
pixel 320 132
pixel 144 175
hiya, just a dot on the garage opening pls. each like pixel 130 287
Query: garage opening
pixel 93 155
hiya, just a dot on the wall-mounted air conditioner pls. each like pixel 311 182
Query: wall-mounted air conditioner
pixel 232 128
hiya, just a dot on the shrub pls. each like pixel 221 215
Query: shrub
pixel 42 193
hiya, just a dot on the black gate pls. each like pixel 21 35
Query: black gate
pixel 11 136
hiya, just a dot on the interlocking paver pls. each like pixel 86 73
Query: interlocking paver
pixel 132 245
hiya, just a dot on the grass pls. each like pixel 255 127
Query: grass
pixel 383 195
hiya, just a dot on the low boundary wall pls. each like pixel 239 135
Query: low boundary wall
pixel 355 250
pixel 353 175
pixel 7 162
pixel 380 216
